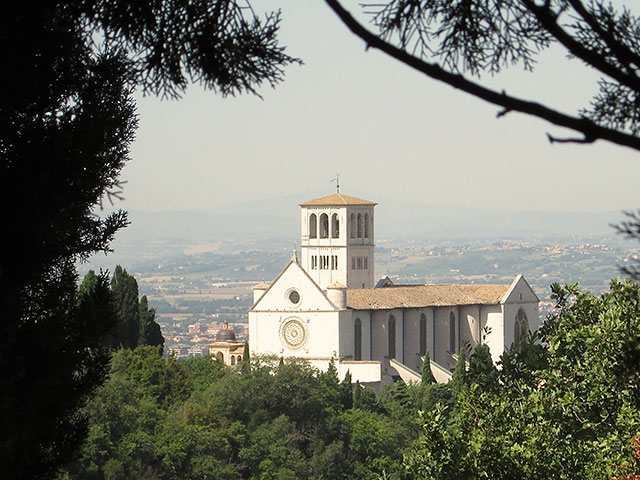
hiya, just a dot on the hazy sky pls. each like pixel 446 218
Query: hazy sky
pixel 391 133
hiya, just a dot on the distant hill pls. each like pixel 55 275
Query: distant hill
pixel 279 217
pixel 274 224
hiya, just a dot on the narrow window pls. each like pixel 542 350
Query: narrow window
pixel 392 336
pixel 366 263
pixel 352 227
pixel 423 334
pixel 324 226
pixel 357 340
pixel 333 265
pixel 335 226
pixel 433 350
pixel 313 226
pixel 521 326
pixel 353 263
pixel 452 333
pixel 359 225
pixel 366 225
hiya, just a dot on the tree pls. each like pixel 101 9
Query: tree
pixel 481 370
pixel 150 332
pixel 246 357
pixel 136 321
pixel 469 37
pixel 346 391
pixel 630 228
pixel 459 378
pixel 427 374
pixel 166 419
pixel 577 419
pixel 50 364
pixel 124 290
pixel 67 120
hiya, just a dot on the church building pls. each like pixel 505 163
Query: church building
pixel 324 305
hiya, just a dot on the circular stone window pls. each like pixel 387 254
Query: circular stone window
pixel 293 333
pixel 293 296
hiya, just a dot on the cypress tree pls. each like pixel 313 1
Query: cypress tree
pixel 150 332
pixel 331 374
pixel 357 395
pixel 459 379
pixel 246 359
pixel 427 374
pixel 124 289
pixel 481 368
pixel 346 391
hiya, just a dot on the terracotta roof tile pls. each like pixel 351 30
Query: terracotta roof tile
pixel 336 199
pixel 409 296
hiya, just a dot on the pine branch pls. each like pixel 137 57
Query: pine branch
pixel 619 49
pixel 548 20
pixel 588 128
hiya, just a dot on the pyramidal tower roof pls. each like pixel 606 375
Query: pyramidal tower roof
pixel 336 199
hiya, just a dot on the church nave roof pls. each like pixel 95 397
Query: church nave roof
pixel 415 296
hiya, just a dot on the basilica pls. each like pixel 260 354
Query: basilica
pixel 326 305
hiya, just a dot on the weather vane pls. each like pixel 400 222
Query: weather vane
pixel 336 179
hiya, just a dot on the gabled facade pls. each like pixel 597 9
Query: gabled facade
pixel 325 306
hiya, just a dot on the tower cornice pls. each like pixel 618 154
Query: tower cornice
pixel 337 200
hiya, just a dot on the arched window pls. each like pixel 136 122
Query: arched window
pixel 335 226
pixel 324 226
pixel 521 326
pixel 313 226
pixel 357 340
pixel 366 225
pixel 423 334
pixel 452 333
pixel 359 225
pixel 220 357
pixel 392 336
pixel 352 227
pixel 233 360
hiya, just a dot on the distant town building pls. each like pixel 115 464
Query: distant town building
pixel 200 328
pixel 325 306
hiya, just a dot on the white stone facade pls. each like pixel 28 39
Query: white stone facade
pixel 324 306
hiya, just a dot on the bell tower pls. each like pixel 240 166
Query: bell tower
pixel 337 240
